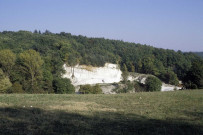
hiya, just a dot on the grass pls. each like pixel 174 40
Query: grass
pixel 179 112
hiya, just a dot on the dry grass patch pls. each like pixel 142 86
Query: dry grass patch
pixel 81 106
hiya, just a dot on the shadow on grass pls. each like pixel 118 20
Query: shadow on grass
pixel 41 122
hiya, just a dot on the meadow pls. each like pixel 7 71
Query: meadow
pixel 178 112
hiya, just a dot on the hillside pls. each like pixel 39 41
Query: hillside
pixel 199 54
pixel 145 113
pixel 38 59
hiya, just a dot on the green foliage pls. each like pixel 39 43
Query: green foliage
pixel 194 77
pixel 97 89
pixel 85 89
pixel 148 65
pixel 129 87
pixel 31 65
pixel 5 83
pixel 73 58
pixel 48 80
pixel 139 87
pixel 125 74
pixel 16 88
pixel 153 84
pixel 169 77
pixel 88 89
pixel 63 86
pixel 7 60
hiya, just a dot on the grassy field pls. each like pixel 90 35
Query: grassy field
pixel 179 112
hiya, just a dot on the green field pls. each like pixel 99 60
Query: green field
pixel 179 112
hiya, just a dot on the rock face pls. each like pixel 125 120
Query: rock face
pixel 141 78
pixel 82 74
pixel 105 76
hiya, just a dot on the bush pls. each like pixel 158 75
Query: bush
pixel 97 89
pixel 16 88
pixel 153 84
pixel 139 87
pixel 85 89
pixel 5 83
pixel 63 85
pixel 88 89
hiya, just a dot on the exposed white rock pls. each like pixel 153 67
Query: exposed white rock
pixel 141 78
pixel 110 73
pixel 168 87
pixel 108 89
pixel 82 74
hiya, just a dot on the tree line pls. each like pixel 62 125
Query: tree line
pixel 32 61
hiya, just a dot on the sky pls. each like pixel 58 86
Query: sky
pixel 168 24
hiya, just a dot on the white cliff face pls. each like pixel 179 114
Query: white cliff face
pixel 110 73
pixel 82 74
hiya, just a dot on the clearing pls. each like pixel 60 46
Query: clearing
pixel 176 112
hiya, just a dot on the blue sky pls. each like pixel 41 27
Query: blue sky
pixel 169 24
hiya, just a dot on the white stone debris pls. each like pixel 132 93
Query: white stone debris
pixel 168 87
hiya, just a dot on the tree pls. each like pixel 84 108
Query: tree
pixel 4 82
pixel 139 66
pixel 148 65
pixel 125 73
pixel 63 86
pixel 153 84
pixel 132 68
pixel 31 65
pixel 47 32
pixel 72 59
pixel 169 77
pixel 7 60
pixel 194 77
pixel 35 31
pixel 47 81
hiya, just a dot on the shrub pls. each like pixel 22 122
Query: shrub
pixel 85 89
pixel 88 89
pixel 16 88
pixel 63 85
pixel 153 84
pixel 5 83
pixel 139 87
pixel 97 89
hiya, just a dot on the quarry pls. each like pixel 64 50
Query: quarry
pixel 107 76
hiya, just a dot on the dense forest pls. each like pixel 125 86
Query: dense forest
pixel 32 61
